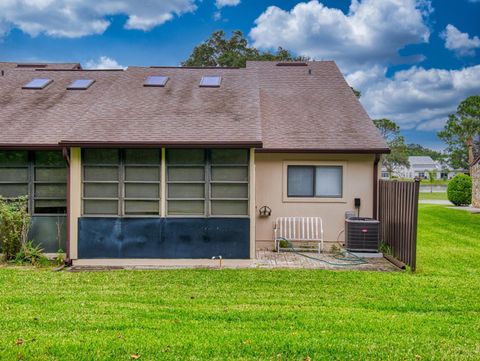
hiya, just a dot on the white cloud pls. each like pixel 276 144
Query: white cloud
pixel 372 32
pixel 460 43
pixel 104 62
pixel 415 98
pixel 76 18
pixel 221 3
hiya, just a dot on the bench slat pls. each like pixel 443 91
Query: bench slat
pixel 299 229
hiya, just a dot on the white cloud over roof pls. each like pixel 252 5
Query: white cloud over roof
pixel 460 43
pixel 372 32
pixel 415 98
pixel 104 62
pixel 221 3
pixel 76 18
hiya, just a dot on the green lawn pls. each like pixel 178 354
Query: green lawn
pixel 434 195
pixel 435 182
pixel 256 314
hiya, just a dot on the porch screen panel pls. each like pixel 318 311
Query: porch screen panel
pixel 50 183
pixel 101 179
pixel 186 182
pixel 40 175
pixel 14 174
pixel 142 181
pixel 229 182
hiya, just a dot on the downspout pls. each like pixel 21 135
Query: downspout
pixel 375 185
pixel 66 156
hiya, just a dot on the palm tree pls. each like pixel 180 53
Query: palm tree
pixel 464 126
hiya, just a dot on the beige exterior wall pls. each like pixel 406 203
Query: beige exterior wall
pixel 75 198
pixel 271 187
pixel 252 209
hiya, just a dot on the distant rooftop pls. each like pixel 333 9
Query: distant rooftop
pixel 33 66
pixel 413 160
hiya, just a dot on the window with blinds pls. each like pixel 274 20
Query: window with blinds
pixel 40 175
pixel 121 181
pixel 50 183
pixel 207 182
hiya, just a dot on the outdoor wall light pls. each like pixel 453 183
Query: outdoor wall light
pixel 265 211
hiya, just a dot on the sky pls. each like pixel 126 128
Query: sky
pixel 412 60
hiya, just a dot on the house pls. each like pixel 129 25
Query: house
pixel 420 167
pixel 150 164
pixel 475 174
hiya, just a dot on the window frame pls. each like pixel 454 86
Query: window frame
pixel 32 181
pixel 315 199
pixel 36 182
pixel 208 182
pixel 121 185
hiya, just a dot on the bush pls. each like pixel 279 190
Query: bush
pixel 14 225
pixel 30 254
pixel 459 190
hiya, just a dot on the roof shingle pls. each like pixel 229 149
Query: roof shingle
pixel 308 108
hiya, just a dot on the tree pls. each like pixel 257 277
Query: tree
pixel 462 130
pixel 398 156
pixel 234 52
pixel 357 93
pixel 419 150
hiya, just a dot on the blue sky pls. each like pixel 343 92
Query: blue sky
pixel 413 60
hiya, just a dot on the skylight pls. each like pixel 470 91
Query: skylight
pixel 211 81
pixel 38 83
pixel 156 80
pixel 80 84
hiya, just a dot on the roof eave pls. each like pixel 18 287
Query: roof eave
pixel 155 144
pixel 323 150
pixel 29 146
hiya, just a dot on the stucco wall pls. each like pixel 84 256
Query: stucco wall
pixel 271 181
pixel 475 173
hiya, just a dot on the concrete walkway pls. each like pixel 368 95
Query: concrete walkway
pixel 435 201
pixel 264 260
pixel 468 209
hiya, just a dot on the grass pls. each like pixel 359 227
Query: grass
pixel 434 195
pixel 436 182
pixel 433 314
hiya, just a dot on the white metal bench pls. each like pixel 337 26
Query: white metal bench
pixel 301 230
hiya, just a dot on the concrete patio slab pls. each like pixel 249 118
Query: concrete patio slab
pixel 264 260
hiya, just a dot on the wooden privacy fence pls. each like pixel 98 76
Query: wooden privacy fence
pixel 398 214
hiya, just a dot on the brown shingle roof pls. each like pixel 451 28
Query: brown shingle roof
pixel 312 108
pixel 283 107
pixel 4 65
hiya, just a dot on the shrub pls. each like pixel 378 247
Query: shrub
pixel 14 225
pixel 30 254
pixel 459 190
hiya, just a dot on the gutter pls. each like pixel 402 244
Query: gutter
pixel 21 146
pixel 135 144
pixel 375 151
pixel 375 185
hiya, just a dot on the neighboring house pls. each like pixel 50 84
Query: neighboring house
pixel 475 174
pixel 420 166
pixel 150 163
